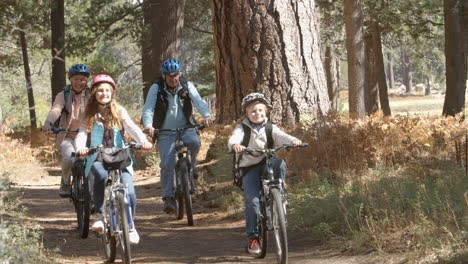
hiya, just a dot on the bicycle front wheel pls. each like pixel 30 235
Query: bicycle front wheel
pixel 108 240
pixel 279 226
pixel 185 174
pixel 262 231
pixel 81 199
pixel 122 221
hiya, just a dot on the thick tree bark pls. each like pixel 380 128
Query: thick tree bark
pixel 405 63
pixel 455 58
pixel 147 69
pixel 391 76
pixel 166 28
pixel 271 47
pixel 356 57
pixel 332 71
pixel 380 68
pixel 372 86
pixel 58 77
pixel 27 75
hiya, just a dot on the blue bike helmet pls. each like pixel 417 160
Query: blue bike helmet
pixel 171 67
pixel 78 69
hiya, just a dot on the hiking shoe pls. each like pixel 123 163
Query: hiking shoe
pixel 64 190
pixel 254 247
pixel 133 236
pixel 98 225
pixel 169 205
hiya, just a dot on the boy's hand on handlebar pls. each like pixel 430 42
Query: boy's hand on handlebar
pixel 208 121
pixel 46 128
pixel 297 142
pixel 238 148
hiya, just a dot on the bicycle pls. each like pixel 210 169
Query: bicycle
pixel 184 184
pixel 272 203
pixel 117 214
pixel 79 191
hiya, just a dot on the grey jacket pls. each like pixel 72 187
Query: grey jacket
pixel 257 140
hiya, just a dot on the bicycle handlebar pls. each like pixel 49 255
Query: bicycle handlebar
pixel 101 148
pixel 157 131
pixel 251 151
pixel 58 130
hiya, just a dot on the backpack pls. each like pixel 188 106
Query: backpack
pixel 66 95
pixel 239 172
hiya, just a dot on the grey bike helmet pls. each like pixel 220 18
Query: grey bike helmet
pixel 254 97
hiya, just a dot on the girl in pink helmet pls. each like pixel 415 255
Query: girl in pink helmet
pixel 104 121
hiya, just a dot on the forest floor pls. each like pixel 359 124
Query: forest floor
pixel 215 237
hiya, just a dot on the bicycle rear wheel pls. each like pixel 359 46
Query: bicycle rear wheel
pixel 279 226
pixel 81 199
pixel 122 220
pixel 184 173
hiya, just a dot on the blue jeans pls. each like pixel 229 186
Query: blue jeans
pixel 251 183
pixel 166 147
pixel 100 179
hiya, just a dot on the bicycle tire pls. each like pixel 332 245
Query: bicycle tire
pixel 84 199
pixel 184 171
pixel 262 231
pixel 279 226
pixel 122 220
pixel 179 196
pixel 108 240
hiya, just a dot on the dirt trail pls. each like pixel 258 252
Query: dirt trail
pixel 215 238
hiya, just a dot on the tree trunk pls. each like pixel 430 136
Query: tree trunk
pixel 380 68
pixel 391 76
pixel 27 75
pixel 58 76
pixel 427 91
pixel 271 47
pixel 332 71
pixel 166 28
pixel 356 57
pixel 147 70
pixel 371 86
pixel 407 78
pixel 455 58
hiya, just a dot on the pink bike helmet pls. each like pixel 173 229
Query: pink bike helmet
pixel 103 78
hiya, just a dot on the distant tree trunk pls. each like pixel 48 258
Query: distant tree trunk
pixel 455 58
pixel 428 85
pixel 332 71
pixel 271 47
pixel 147 69
pixel 27 75
pixel 371 85
pixel 380 68
pixel 58 77
pixel 166 28
pixel 407 78
pixel 356 57
pixel 391 76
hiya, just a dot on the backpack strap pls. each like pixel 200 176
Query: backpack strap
pixel 245 141
pixel 268 131
pixel 269 135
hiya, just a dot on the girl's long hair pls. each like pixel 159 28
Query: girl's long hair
pixel 111 113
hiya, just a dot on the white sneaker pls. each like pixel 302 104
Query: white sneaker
pixel 98 226
pixel 133 236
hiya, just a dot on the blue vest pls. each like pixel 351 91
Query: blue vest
pixel 97 136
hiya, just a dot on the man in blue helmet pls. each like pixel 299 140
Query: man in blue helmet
pixel 169 106
pixel 69 106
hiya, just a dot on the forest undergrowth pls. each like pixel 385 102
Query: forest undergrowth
pixel 20 238
pixel 386 185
